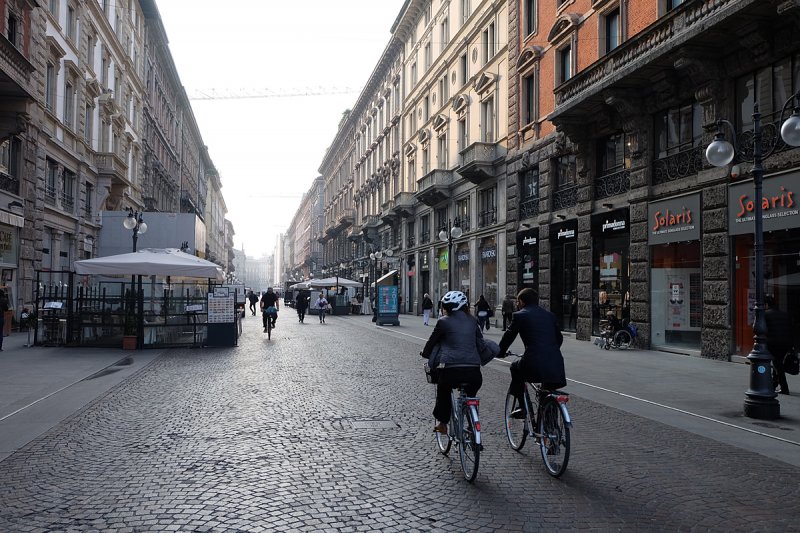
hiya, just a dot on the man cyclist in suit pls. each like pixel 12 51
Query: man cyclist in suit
pixel 269 299
pixel 542 361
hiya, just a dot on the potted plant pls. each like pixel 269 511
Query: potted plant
pixel 129 332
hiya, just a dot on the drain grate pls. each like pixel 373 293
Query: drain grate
pixel 374 424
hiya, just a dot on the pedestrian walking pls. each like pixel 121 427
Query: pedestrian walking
pixel 301 304
pixel 427 307
pixel 253 301
pixel 4 306
pixel 508 310
pixel 483 309
pixel 779 341
pixel 322 305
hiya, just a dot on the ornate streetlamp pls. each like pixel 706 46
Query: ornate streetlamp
pixel 760 399
pixel 135 223
pixel 449 236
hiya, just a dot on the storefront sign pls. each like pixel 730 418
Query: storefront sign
pixel 489 254
pixel 530 241
pixel 613 225
pixel 423 262
pixel 463 256
pixel 779 204
pixel 564 232
pixel 674 219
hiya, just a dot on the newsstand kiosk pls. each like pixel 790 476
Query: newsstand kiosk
pixel 387 309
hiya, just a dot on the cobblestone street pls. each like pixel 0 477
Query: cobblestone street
pixel 328 428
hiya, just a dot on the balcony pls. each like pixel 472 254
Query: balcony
pixel 478 161
pixel 67 202
pixel 612 184
pixel 404 204
pixel 425 236
pixel 370 221
pixel 50 195
pixel 9 183
pixel 462 222
pixel 487 218
pixel 388 215
pixel 565 197
pixel 434 187
pixel 679 165
pixel 112 165
pixel 347 218
pixel 529 208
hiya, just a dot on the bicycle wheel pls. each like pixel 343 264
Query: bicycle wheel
pixel 623 339
pixel 269 328
pixel 443 441
pixel 515 427
pixel 553 438
pixel 468 449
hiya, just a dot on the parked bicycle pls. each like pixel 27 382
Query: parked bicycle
pixel 464 429
pixel 621 338
pixel 547 420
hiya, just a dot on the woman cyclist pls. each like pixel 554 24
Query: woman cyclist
pixel 453 343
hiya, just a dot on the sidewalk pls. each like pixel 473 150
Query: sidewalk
pixel 41 386
pixel 703 396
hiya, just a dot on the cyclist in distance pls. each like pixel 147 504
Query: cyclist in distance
pixel 453 343
pixel 269 299
pixel 542 361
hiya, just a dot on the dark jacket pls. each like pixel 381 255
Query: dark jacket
pixel 509 306
pixel 483 305
pixel 301 302
pixel 427 303
pixel 457 336
pixel 540 333
pixel 779 331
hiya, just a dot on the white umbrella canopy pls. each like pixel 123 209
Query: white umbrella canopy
pixel 302 285
pixel 332 282
pixel 151 262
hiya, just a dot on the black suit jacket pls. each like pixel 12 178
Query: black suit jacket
pixel 542 360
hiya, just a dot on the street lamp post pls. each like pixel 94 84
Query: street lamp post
pixel 375 256
pixel 135 223
pixel 448 235
pixel 760 399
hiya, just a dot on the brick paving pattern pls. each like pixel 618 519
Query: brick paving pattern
pixel 265 437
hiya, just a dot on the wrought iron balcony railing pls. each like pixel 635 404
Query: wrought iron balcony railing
pixel 679 165
pixel 487 218
pixel 529 208
pixel 612 184
pixel 565 197
pixel 9 183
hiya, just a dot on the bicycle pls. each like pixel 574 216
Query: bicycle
pixel 464 429
pixel 551 421
pixel 270 319
pixel 621 339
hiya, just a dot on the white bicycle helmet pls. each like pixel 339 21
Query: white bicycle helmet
pixel 454 300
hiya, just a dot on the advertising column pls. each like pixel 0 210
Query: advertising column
pixel 676 296
pixel 781 218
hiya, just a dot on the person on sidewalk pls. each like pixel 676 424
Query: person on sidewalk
pixel 253 300
pixel 4 306
pixel 322 305
pixel 542 361
pixel 454 344
pixel 301 304
pixel 483 309
pixel 427 307
pixel 779 341
pixel 508 310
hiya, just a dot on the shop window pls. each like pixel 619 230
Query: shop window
pixel 676 295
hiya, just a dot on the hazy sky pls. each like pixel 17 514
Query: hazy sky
pixel 269 150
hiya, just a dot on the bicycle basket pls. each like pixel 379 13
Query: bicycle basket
pixel 431 374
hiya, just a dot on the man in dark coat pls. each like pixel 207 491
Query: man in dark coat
pixel 542 361
pixel 301 304
pixel 779 341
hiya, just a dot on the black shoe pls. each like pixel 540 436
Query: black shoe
pixel 519 414
pixel 786 392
